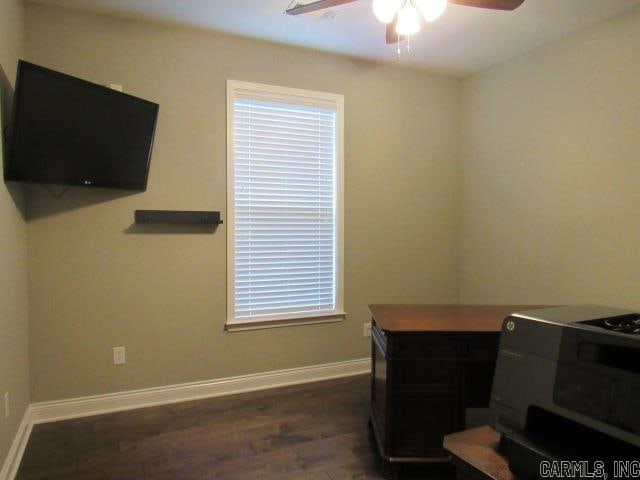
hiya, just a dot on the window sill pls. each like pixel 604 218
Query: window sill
pixel 289 322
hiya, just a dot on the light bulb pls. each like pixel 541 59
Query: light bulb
pixel 385 10
pixel 431 9
pixel 408 20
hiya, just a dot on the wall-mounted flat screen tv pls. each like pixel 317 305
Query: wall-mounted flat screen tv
pixel 72 132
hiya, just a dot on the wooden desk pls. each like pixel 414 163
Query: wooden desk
pixel 429 363
pixel 476 455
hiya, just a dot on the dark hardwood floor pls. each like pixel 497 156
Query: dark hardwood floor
pixel 316 431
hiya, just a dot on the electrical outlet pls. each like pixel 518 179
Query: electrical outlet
pixel 366 330
pixel 7 409
pixel 119 356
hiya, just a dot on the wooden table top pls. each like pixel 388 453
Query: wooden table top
pixel 444 318
pixel 479 448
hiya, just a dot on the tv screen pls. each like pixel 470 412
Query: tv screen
pixel 72 132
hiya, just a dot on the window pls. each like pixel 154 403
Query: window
pixel 284 207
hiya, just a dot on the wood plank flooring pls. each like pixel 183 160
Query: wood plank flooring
pixel 316 431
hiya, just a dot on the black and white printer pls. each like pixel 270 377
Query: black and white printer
pixel 567 386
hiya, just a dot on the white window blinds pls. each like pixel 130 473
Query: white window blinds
pixel 285 169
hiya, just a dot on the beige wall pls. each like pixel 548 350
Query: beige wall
pixel 547 212
pixel 14 358
pixel 96 282
pixel 551 173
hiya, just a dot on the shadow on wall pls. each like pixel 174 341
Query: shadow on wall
pixel 50 200
pixel 16 190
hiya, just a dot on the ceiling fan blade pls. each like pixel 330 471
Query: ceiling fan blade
pixel 392 36
pixel 492 4
pixel 315 6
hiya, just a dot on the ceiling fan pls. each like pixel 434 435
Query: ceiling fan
pixel 401 16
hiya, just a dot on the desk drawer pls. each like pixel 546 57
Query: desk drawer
pixel 422 422
pixel 429 346
pixel 428 376
pixel 484 348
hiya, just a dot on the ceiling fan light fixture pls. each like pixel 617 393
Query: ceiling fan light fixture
pixel 431 9
pixel 408 20
pixel 385 10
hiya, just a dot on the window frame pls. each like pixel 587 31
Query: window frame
pixel 300 97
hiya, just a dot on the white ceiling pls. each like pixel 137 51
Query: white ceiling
pixel 464 40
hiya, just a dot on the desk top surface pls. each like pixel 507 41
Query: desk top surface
pixel 444 318
pixel 479 448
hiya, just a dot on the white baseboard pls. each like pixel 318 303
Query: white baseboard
pixel 85 406
pixel 14 457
